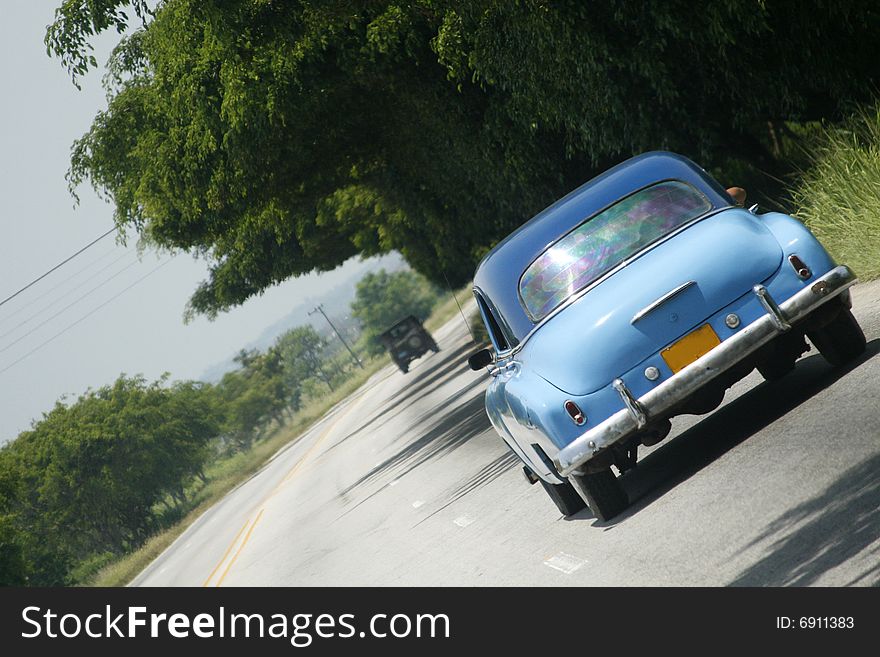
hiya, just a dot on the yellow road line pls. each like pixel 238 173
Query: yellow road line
pixel 312 449
pixel 275 490
pixel 318 442
pixel 240 548
pixel 226 554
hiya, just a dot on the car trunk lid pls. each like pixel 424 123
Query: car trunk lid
pixel 656 299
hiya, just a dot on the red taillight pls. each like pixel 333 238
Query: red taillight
pixel 575 413
pixel 799 266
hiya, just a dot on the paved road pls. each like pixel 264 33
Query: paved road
pixel 406 484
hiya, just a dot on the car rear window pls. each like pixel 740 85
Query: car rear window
pixel 605 240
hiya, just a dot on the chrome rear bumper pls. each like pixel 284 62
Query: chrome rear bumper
pixel 689 380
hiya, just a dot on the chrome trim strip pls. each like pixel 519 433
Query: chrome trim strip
pixel 772 308
pixel 659 302
pixel 690 379
pixel 632 405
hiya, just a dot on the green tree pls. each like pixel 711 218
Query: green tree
pixel 255 395
pixel 381 299
pixel 78 20
pixel 13 571
pixel 13 568
pixel 278 138
pixel 302 355
pixel 88 476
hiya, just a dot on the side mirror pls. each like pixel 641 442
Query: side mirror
pixel 483 358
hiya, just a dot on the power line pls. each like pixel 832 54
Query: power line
pixel 65 295
pixel 68 306
pixel 59 265
pixel 12 313
pixel 85 317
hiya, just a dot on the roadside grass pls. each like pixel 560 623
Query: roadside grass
pixel 225 474
pixel 448 308
pixel 838 195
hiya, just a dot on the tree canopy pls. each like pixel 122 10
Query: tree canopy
pixel 279 138
pixel 302 352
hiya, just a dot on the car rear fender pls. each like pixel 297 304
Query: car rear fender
pixel 795 238
pixel 511 404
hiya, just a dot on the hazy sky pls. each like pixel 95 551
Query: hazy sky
pixel 41 113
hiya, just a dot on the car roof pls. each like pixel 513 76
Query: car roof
pixel 497 276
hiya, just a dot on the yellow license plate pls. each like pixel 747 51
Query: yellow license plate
pixel 690 347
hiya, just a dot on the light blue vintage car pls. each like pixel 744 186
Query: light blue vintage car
pixel 642 295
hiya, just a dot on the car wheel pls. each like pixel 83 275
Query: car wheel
pixel 840 340
pixel 565 497
pixel 605 496
pixel 404 367
pixel 434 347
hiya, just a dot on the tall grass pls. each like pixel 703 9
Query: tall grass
pixel 838 196
pixel 447 308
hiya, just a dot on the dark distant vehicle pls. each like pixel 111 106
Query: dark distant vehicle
pixel 406 341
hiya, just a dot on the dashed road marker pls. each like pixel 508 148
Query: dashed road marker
pixel 565 563
pixel 464 521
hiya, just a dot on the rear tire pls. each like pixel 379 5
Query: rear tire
pixel 840 340
pixel 565 497
pixel 605 496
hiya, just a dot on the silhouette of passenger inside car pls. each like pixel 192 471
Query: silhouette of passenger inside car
pixel 738 194
pixel 647 233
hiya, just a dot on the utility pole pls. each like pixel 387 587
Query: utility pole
pixel 320 309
